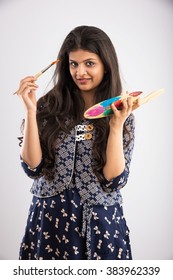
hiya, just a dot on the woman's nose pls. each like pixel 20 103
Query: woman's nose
pixel 81 70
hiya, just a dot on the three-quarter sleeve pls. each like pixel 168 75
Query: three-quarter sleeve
pixel 32 173
pixel 128 145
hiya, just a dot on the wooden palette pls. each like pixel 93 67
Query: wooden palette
pixel 103 109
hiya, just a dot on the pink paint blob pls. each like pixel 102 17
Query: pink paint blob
pixel 95 111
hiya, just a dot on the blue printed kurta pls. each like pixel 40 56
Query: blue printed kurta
pixel 75 217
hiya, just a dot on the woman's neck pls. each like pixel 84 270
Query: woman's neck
pixel 89 99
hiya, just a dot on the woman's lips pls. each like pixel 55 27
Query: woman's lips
pixel 83 80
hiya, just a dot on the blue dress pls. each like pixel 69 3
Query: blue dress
pixel 81 220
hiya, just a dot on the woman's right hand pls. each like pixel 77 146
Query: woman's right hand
pixel 26 91
pixel 31 151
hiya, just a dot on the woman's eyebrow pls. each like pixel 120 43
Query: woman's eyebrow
pixel 83 60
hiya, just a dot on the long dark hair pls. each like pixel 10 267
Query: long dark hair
pixel 64 101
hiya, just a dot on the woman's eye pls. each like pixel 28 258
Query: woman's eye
pixel 73 64
pixel 90 63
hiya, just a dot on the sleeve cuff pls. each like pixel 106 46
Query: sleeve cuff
pixel 32 172
pixel 115 183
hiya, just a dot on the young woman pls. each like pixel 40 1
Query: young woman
pixel 78 165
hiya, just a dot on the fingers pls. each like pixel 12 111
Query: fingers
pixel 125 108
pixel 26 92
pixel 120 115
pixel 27 85
pixel 136 104
pixel 127 104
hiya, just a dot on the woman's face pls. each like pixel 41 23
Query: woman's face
pixel 86 69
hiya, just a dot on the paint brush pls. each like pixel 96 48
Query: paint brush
pixel 44 70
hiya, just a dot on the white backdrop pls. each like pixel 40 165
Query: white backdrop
pixel 31 33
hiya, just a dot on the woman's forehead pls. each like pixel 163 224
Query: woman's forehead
pixel 82 55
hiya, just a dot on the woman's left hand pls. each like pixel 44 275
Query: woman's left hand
pixel 119 116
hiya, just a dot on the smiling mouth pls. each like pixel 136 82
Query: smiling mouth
pixel 83 81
